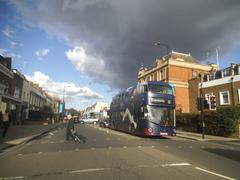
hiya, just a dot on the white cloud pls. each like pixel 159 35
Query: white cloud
pixel 6 53
pixel 42 53
pixel 87 64
pixel 8 32
pixel 73 93
pixel 14 44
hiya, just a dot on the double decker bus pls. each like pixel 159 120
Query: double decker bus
pixel 146 110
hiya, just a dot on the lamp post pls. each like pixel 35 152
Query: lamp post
pixel 162 44
pixel 63 101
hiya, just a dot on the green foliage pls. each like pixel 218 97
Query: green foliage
pixel 187 121
pixel 222 122
pixel 73 112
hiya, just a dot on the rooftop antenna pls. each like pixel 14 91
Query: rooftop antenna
pixel 217 49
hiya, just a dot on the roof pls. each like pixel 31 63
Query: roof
pixel 182 57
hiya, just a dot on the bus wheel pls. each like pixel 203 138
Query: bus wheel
pixel 132 130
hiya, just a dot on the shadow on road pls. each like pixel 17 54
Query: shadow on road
pixel 227 153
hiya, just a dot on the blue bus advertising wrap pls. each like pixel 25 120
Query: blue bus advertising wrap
pixel 146 109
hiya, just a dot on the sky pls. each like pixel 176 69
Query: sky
pixel 94 48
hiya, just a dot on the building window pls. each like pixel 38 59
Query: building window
pixel 211 76
pixel 224 98
pixel 194 74
pixel 151 79
pixel 205 77
pixel 160 75
pixel 237 70
pixel 226 72
pixel 163 74
pixel 218 75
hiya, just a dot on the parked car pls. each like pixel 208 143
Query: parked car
pixel 104 123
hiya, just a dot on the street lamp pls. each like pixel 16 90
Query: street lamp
pixel 162 44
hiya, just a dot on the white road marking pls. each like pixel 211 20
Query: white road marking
pixel 77 149
pixel 142 166
pixel 16 177
pixel 166 146
pixel 190 147
pixel 124 147
pixel 153 146
pixel 175 164
pixel 216 174
pixel 109 147
pixel 51 134
pixel 19 155
pixel 39 152
pixel 88 170
pixel 139 146
pixel 44 142
pixel 92 148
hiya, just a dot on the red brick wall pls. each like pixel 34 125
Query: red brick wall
pixel 182 99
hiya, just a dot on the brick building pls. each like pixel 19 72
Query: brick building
pixel 224 84
pixel 177 69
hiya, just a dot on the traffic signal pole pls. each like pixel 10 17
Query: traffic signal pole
pixel 201 108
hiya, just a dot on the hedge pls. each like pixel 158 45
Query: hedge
pixel 222 122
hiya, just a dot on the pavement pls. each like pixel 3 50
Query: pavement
pixel 20 134
pixel 198 137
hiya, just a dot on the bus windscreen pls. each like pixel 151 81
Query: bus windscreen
pixel 161 116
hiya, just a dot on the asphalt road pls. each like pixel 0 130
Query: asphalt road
pixel 108 154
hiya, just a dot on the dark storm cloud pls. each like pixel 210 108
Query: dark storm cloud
pixel 123 32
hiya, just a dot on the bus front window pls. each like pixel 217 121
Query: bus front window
pixel 160 89
pixel 161 116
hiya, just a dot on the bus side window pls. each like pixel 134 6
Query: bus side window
pixel 145 88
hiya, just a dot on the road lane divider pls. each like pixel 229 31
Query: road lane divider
pixel 175 164
pixel 88 170
pixel 16 177
pixel 213 173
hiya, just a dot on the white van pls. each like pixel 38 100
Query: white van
pixel 92 118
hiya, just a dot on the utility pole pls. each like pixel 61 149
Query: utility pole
pixel 201 107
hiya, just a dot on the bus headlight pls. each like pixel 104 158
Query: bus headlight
pixel 150 130
pixel 145 115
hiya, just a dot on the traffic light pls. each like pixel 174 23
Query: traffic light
pixel 202 103
pixel 212 103
pixel 205 104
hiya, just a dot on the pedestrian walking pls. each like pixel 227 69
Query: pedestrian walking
pixel 6 118
pixel 70 127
